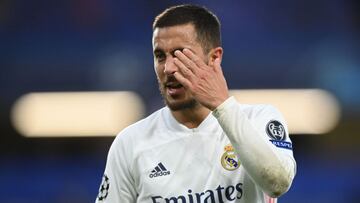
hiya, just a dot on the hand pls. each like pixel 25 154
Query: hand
pixel 205 82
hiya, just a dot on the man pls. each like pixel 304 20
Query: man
pixel 203 146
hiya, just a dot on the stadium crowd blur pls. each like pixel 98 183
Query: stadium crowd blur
pixel 105 45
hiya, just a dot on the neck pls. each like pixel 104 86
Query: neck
pixel 191 117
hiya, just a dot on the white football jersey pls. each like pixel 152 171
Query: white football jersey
pixel 159 160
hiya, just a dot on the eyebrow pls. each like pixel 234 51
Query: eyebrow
pixel 157 50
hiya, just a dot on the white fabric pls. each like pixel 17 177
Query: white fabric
pixel 192 159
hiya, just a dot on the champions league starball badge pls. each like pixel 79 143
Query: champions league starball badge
pixel 229 159
pixel 104 188
pixel 276 130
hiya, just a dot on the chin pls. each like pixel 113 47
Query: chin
pixel 181 105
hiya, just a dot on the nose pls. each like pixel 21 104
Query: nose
pixel 170 67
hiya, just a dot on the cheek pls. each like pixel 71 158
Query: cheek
pixel 159 72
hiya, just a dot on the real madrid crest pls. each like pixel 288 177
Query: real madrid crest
pixel 229 159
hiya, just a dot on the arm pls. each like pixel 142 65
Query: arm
pixel 117 184
pixel 270 167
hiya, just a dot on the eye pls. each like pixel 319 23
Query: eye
pixel 159 56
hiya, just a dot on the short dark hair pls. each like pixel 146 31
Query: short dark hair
pixel 206 24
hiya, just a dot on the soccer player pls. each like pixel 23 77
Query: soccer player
pixel 203 146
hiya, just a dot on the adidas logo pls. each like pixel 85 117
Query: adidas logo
pixel 159 170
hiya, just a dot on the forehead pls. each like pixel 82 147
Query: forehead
pixel 174 36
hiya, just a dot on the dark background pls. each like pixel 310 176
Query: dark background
pixel 105 45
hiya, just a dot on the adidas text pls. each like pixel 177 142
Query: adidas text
pixel 161 173
pixel 159 170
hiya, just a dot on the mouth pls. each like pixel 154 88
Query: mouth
pixel 173 85
pixel 174 89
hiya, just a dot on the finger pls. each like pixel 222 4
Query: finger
pixel 182 80
pixel 194 58
pixel 185 71
pixel 185 60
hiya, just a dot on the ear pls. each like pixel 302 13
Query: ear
pixel 214 54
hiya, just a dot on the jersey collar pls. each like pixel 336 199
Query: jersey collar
pixel 207 125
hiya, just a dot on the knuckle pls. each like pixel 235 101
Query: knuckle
pixel 203 76
pixel 191 64
pixel 197 60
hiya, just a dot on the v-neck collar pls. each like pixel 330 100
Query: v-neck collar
pixel 206 125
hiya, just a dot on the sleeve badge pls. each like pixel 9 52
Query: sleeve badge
pixel 104 188
pixel 276 131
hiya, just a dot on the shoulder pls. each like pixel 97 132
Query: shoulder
pixel 142 128
pixel 141 134
pixel 232 105
pixel 264 115
pixel 260 110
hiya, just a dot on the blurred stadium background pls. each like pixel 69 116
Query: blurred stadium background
pixel 105 45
